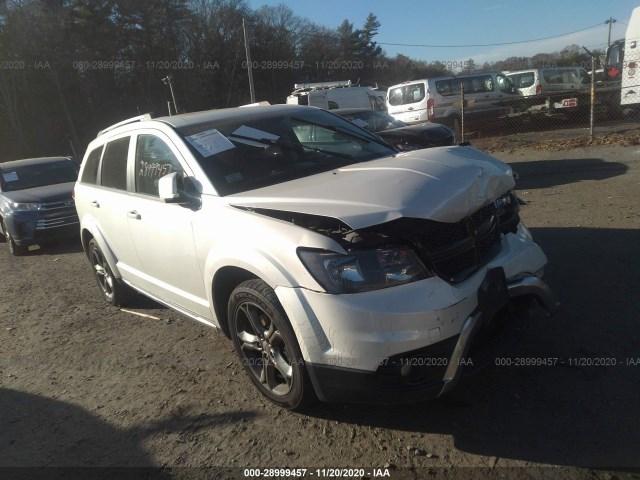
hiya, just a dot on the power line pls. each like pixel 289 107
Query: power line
pixel 489 44
pixel 459 46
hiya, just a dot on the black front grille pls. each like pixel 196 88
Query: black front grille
pixel 476 240
pixel 455 251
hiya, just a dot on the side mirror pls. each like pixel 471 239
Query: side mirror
pixel 174 188
pixel 168 188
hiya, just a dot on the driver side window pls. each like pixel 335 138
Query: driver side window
pixel 154 159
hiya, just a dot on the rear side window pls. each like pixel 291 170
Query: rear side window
pixel 479 84
pixel 585 78
pixel 504 84
pixel 114 164
pixel 90 172
pixel 406 94
pixel 523 80
pixel 448 87
pixel 154 159
pixel 560 76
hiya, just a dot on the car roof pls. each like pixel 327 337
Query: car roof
pixel 527 70
pixel 203 117
pixel 32 161
pixel 195 118
pixel 345 111
pixel 422 80
pixel 478 74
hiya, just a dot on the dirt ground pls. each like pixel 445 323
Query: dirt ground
pixel 83 384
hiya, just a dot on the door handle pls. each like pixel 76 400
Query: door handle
pixel 133 214
pixel 95 204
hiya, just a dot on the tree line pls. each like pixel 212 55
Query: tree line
pixel 69 68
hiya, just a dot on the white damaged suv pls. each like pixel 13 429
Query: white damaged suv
pixel 340 268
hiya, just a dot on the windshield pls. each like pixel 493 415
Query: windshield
pixel 374 121
pixel 257 150
pixel 37 175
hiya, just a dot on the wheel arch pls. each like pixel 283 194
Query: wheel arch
pixel 85 238
pixel 91 231
pixel 225 280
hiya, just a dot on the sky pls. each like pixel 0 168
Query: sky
pixel 467 22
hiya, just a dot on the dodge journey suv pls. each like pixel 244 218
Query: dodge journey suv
pixel 340 268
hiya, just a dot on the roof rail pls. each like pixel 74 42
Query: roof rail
pixel 139 118
pixel 322 85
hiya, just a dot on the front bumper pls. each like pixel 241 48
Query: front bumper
pixel 31 228
pixel 433 371
pixel 360 345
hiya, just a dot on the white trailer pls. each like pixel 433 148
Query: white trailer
pixel 630 94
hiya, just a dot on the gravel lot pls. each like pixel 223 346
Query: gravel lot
pixel 85 384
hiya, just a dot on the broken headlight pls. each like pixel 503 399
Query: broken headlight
pixel 363 270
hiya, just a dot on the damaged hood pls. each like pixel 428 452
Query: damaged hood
pixel 443 184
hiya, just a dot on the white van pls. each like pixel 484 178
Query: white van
pixel 332 95
pixel 489 96
pixel 540 81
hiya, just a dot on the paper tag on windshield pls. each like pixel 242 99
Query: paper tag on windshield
pixel 360 123
pixel 10 177
pixel 210 142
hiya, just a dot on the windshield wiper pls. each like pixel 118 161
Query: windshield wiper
pixel 284 143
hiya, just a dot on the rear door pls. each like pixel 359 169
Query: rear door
pixel 407 102
pixel 106 199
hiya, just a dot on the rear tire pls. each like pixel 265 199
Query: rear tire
pixel 267 347
pixel 113 289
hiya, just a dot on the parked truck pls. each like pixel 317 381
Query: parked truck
pixel 620 86
pixel 340 94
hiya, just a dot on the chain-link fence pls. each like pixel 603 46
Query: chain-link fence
pixel 488 104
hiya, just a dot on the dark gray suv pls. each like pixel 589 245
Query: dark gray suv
pixel 36 204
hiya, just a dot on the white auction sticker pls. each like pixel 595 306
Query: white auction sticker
pixel 10 177
pixel 210 142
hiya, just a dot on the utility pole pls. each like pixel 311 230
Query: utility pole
pixel 610 21
pixel 168 80
pixel 593 93
pixel 249 64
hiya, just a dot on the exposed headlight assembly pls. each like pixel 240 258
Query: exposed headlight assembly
pixel 363 270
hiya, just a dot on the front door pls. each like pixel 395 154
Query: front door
pixel 162 232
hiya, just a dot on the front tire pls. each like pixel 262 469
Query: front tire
pixel 267 347
pixel 14 248
pixel 113 289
